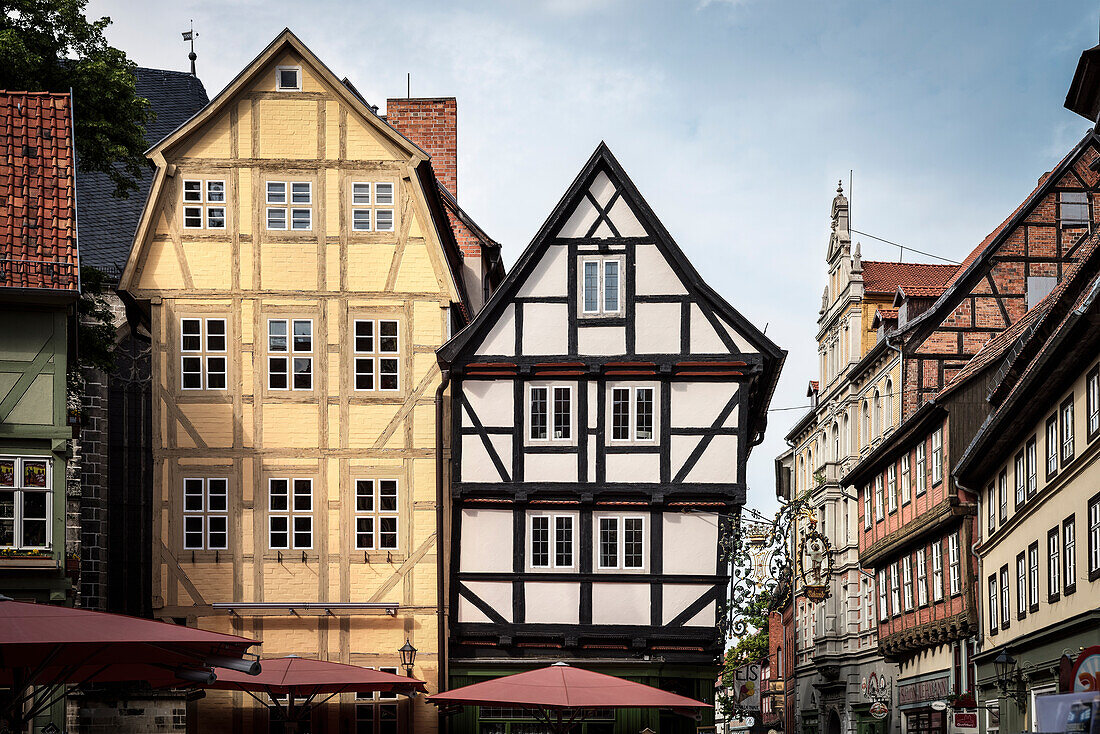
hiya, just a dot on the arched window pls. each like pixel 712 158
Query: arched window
pixel 876 416
pixel 779 662
pixel 845 442
pixel 889 411
pixel 801 481
pixel 865 429
pixel 836 442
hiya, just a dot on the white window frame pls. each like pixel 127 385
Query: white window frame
pixel 1033 576
pixel 937 456
pixel 551 414
pixel 203 204
pixel 19 490
pixel 954 563
pixel 994 605
pixel 906 485
pixel 205 354
pixel 552 550
pixel 376 514
pixel 937 571
pixel 291 354
pixel 907 582
pixel 1021 585
pixel 892 487
pixel 204 513
pixel 1054 562
pixel 895 590
pixel 290 514
pixel 1069 553
pixel 1065 431
pixel 883 609
pixel 279 78
pixel 601 294
pixel 1006 596
pixel 922 577
pixel 879 509
pixel 920 473
pixel 619 524
pixel 632 427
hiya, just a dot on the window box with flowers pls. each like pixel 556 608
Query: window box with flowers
pixel 31 558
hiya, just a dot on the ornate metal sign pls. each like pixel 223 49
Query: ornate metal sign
pixel 816 563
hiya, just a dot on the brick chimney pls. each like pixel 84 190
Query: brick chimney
pixel 431 123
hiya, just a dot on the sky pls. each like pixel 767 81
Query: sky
pixel 735 119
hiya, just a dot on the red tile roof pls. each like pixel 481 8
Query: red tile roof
pixel 917 279
pixel 37 201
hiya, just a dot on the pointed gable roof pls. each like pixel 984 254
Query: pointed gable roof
pixel 617 209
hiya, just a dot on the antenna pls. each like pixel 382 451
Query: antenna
pixel 189 35
pixel 408 85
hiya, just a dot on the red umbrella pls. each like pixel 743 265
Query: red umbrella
pixel 301 681
pixel 560 694
pixel 45 648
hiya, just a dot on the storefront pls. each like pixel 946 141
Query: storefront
pixel 915 699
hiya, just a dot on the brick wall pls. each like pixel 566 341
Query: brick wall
pixel 433 125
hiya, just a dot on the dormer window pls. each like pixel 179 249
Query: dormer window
pixel 288 78
pixel 601 286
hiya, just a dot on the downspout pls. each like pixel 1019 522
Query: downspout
pixel 441 606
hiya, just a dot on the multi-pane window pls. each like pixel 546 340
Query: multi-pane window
pixel 377 713
pixel 290 513
pixel 205 513
pixel 290 205
pixel 1066 430
pixel 922 578
pixel 1002 495
pixel 1006 601
pixel 993 606
pixel 203 204
pixel 921 469
pixel 551 413
pixel 601 286
pixel 954 563
pixel 26 501
pixel 1033 577
pixel 552 541
pixel 1092 403
pixel 202 354
pixel 1094 537
pixel 937 456
pixel 906 486
pixel 907 581
pixel 632 413
pixel 290 351
pixel 376 514
pixel 879 503
pixel 1032 451
pixel 1073 207
pixel 620 542
pixel 883 611
pixel 892 487
pixel 372 206
pixel 1021 586
pixel 1054 563
pixel 1069 553
pixel 1052 446
pixel 867 502
pixel 1019 476
pixel 937 571
pixel 377 345
pixel 895 591
pixel 991 504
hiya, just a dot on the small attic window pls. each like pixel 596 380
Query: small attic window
pixel 288 78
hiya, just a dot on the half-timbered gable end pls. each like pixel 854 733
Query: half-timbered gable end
pixel 605 402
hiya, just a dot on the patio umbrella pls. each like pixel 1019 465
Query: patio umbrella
pixel 560 694
pixel 301 681
pixel 44 649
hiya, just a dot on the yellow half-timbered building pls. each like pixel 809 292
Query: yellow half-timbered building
pixel 296 271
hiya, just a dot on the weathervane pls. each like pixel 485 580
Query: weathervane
pixel 189 35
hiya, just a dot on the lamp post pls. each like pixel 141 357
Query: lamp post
pixel 1005 667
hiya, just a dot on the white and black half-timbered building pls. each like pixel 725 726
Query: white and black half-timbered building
pixel 604 403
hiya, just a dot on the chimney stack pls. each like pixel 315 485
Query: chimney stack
pixel 431 123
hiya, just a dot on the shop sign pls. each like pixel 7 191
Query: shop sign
pixel 967 720
pixel 746 687
pixel 1086 671
pixel 876 687
pixel 925 690
pixel 879 710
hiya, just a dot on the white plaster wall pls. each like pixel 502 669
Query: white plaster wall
pixel 593 396
pixel 492 400
pixel 657 328
pixel 477 466
pixel 601 189
pixel 486 541
pixel 497 594
pixel 676 598
pixel 550 467
pixel 545 328
pixel 625 221
pixel 633 467
pixel 620 604
pixel 704 618
pixel 654 276
pixel 679 450
pixel 718 464
pixel 550 275
pixel 599 340
pixel 501 339
pixel 704 339
pixel 690 542
pixel 591 458
pixel 697 404
pixel 583 217
pixel 552 602
pixel 743 345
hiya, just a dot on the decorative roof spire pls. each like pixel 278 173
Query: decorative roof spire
pixel 857 261
pixel 189 35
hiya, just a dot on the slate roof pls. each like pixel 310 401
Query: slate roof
pixel 37 209
pixel 107 224
pixel 916 279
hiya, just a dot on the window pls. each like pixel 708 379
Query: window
pixel 991 504
pixel 1052 447
pixel 1069 554
pixel 993 605
pixel 895 596
pixel 883 611
pixel 204 204
pixel 1019 475
pixel 922 577
pixel 372 212
pixel 906 487
pixel 1002 495
pixel 601 286
pixel 1067 430
pixel 555 552
pixel 1032 467
pixel 937 456
pixel 1092 402
pixel 551 422
pixel 879 504
pixel 26 502
pixel 1005 598
pixel 1054 562
pixel 290 513
pixel 632 414
pixel 892 486
pixel 907 581
pixel 205 514
pixel 202 354
pixel 954 567
pixel 867 507
pixel 1038 286
pixel 621 542
pixel 300 205
pixel 376 514
pixel 865 437
pixel 1021 586
pixel 284 354
pixel 937 571
pixel 1073 207
pixel 1094 537
pixel 377 346
pixel 288 78
pixel 1033 577
pixel 921 469
pixel 377 713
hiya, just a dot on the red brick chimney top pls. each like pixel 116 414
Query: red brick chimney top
pixel 431 123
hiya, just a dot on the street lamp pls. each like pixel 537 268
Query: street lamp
pixel 408 656
pixel 1005 666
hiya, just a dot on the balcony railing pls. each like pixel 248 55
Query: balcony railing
pixel 48 274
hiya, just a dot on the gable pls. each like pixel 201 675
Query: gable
pixel 602 212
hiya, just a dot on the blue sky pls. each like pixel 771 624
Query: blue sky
pixel 735 118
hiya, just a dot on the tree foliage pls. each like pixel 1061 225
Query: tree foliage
pixel 49 46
